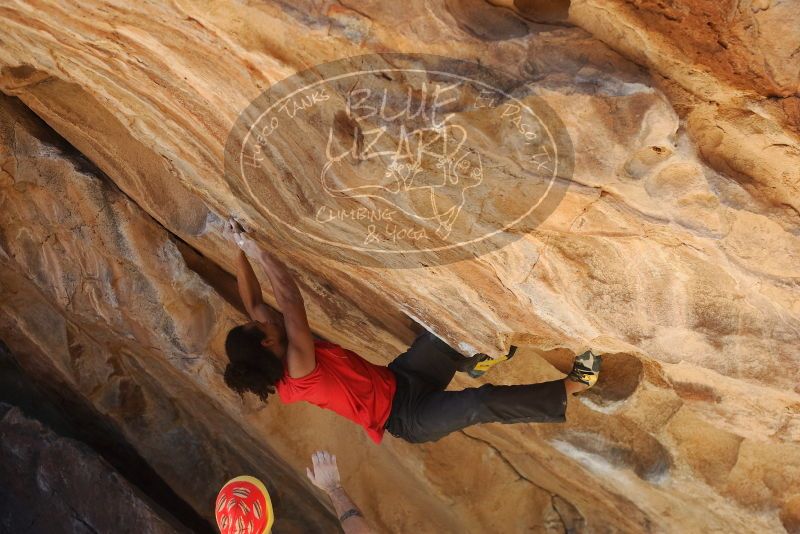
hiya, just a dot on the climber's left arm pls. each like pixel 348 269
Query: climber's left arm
pixel 300 357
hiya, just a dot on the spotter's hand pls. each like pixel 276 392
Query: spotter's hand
pixel 325 474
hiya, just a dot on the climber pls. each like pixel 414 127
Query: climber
pixel 277 352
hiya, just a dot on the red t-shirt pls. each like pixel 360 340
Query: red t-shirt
pixel 347 384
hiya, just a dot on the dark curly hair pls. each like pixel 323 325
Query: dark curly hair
pixel 252 367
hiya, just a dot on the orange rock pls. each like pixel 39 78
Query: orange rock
pixel 674 250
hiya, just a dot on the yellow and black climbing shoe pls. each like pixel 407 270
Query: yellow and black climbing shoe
pixel 484 362
pixel 586 368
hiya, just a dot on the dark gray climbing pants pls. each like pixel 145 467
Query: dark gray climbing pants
pixel 423 411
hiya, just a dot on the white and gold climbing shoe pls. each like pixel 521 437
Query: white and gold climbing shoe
pixel 586 368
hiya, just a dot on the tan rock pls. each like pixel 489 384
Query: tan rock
pixel 674 251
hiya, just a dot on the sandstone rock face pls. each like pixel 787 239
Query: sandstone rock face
pixel 94 329
pixel 54 484
pixel 674 251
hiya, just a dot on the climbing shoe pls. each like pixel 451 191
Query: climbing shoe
pixel 484 362
pixel 586 368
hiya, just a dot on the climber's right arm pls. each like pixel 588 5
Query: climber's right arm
pixel 250 289
pixel 246 279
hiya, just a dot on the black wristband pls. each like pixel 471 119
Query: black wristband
pixel 348 514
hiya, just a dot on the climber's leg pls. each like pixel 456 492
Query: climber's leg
pixel 430 359
pixel 439 413
pixel 421 413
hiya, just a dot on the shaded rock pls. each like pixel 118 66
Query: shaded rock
pixel 55 484
pixel 790 514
